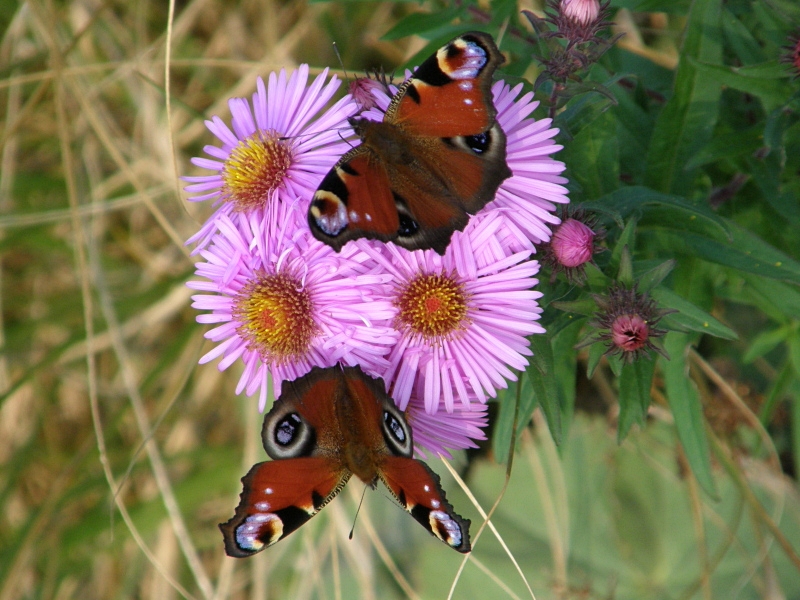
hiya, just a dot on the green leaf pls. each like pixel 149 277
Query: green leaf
pixel 584 306
pixel 794 353
pixel 687 122
pixel 741 39
pixel 504 423
pixel 684 402
pixel 566 365
pixel 543 379
pixel 422 23
pixel 768 82
pixel 779 300
pixel 655 208
pixel 746 252
pixel 729 146
pixel 689 316
pixel 596 352
pixel 635 381
pixel 595 148
pixel 626 240
pixel 649 279
pixel 766 342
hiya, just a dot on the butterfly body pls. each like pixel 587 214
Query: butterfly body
pixel 327 426
pixel 437 157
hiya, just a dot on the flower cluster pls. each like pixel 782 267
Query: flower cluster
pixel 445 332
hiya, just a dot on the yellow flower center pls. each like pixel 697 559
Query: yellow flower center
pixel 275 316
pixel 433 306
pixel 256 167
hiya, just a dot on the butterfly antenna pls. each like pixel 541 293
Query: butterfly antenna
pixel 350 537
pixel 341 62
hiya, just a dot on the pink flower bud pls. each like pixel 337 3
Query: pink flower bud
pixel 629 332
pixel 583 12
pixel 573 243
pixel 361 88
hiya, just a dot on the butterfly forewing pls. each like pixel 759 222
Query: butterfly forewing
pixel 278 497
pixel 419 491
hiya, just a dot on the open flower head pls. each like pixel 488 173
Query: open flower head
pixel 284 302
pixel 462 319
pixel 278 150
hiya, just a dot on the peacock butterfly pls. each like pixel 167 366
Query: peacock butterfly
pixel 326 426
pixel 437 156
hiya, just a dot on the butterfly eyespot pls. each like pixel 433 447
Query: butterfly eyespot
pixel 287 428
pixel 408 226
pixel 393 427
pixel 396 432
pixel 287 434
pixel 478 143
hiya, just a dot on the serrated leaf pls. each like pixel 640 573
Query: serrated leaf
pixel 684 402
pixel 689 316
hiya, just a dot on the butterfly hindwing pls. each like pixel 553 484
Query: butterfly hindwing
pixel 419 491
pixel 437 157
pixel 278 497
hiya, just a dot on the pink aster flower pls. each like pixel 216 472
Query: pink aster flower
pixel 443 431
pixel 529 197
pixel 278 151
pixel 531 194
pixel 463 319
pixel 284 302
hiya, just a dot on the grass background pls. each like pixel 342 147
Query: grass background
pixel 119 455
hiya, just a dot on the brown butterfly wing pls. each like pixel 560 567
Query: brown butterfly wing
pixel 419 491
pixel 354 200
pixel 438 156
pixel 450 93
pixel 278 497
